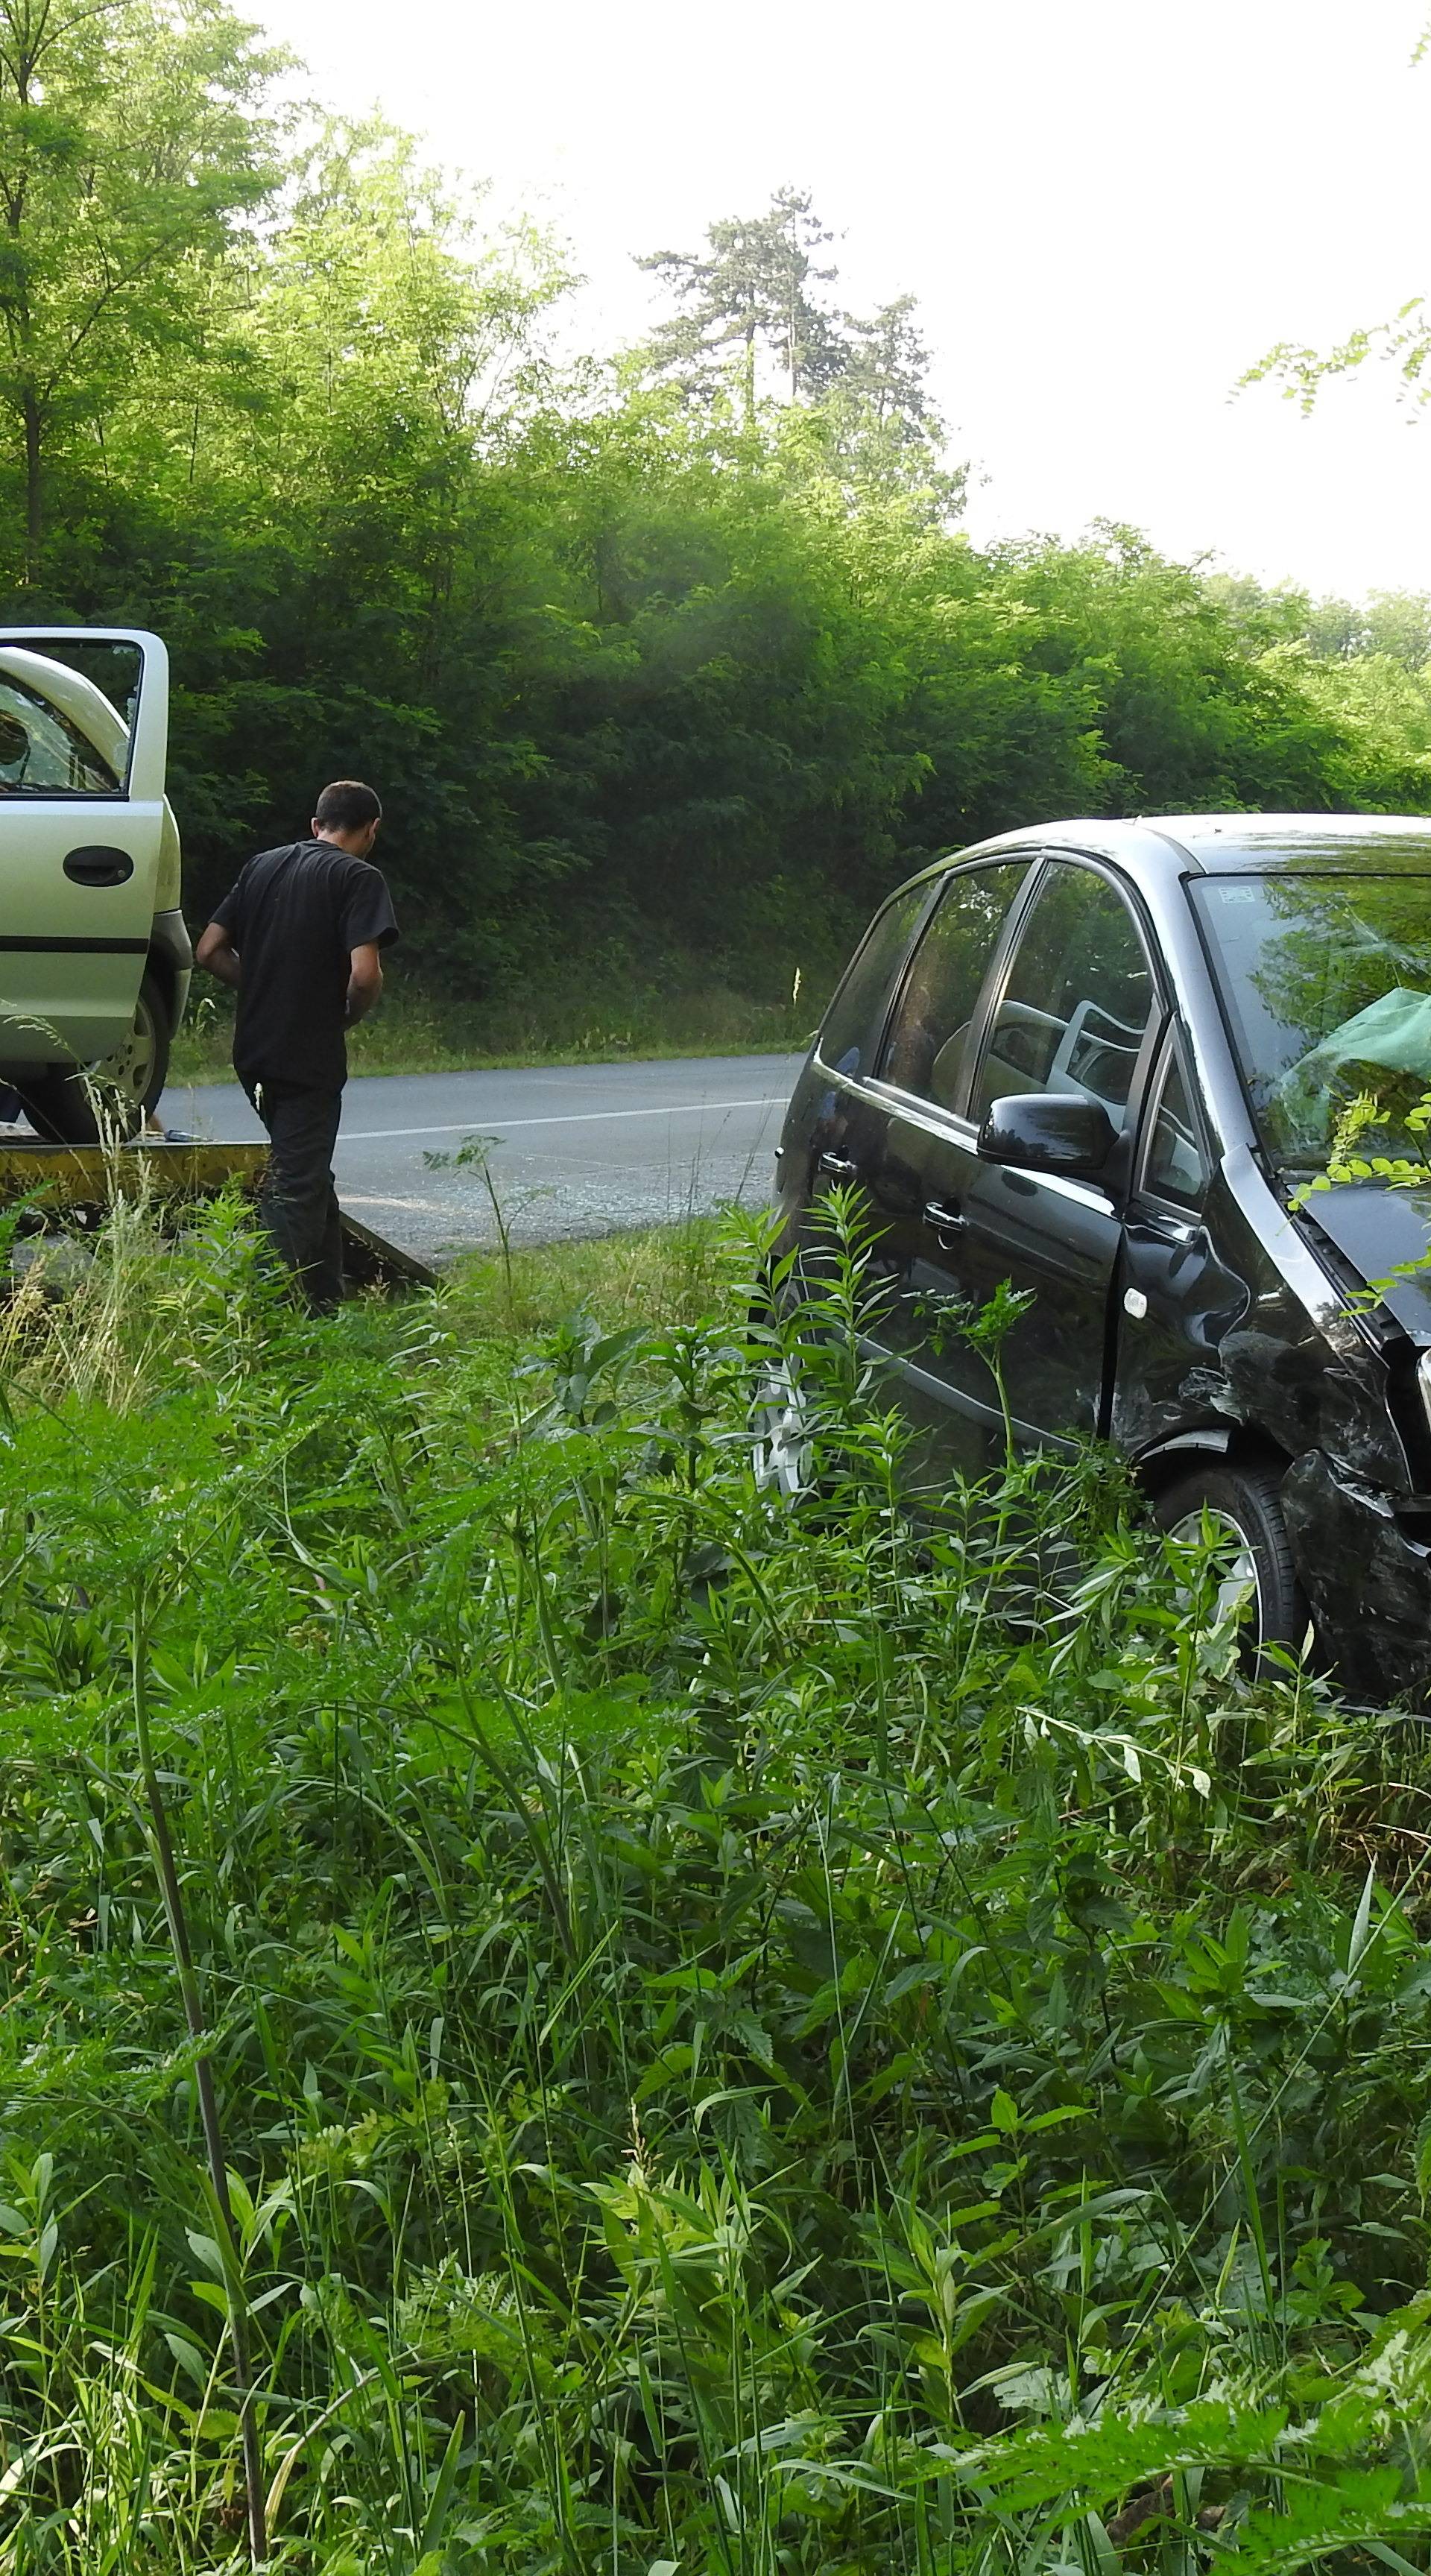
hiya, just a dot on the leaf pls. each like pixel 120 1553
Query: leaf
pixel 1314 2521
pixel 1423 2157
pixel 207 2250
pixel 218 2424
pixel 1392 2558
pixel 1004 2113
pixel 436 2515
pixel 669 2067
pixel 188 2357
pixel 1050 2464
pixel 1361 1924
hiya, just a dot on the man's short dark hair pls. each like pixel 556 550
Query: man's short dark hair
pixel 347 805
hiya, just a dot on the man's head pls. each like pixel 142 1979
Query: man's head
pixel 348 813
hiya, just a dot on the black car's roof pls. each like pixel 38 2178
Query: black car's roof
pixel 1216 841
pixel 1205 844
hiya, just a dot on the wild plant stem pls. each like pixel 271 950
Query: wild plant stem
pixel 162 1845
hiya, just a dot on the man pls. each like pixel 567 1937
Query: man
pixel 301 937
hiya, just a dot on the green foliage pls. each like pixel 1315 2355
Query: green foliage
pixel 130 155
pixel 751 2035
pixel 653 666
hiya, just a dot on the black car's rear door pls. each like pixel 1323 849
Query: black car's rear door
pixel 1073 1009
pixel 915 1140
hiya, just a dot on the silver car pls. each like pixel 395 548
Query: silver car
pixel 94 956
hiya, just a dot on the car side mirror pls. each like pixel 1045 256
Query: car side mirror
pixel 1048 1131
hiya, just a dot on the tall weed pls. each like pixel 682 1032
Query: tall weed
pixel 755 2029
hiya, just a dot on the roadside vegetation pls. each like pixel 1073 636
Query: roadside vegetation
pixel 749 2035
pixel 560 1019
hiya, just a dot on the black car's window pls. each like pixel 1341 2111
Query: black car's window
pixel 855 1019
pixel 1077 1001
pixel 928 1039
pixel 1177 1165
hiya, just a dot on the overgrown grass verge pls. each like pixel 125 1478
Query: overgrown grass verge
pixel 653 1276
pixel 567 1019
pixel 752 2034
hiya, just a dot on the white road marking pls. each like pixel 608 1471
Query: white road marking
pixel 501 1127
pixel 404 1207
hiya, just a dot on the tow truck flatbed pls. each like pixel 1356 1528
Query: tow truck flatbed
pixel 81 1181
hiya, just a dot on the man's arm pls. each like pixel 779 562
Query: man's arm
pixel 365 979
pixel 217 953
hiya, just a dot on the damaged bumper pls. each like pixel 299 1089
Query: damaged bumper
pixel 1366 1575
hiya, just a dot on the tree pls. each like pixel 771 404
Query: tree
pixel 133 148
pixel 750 290
pixel 885 435
pixel 1395 624
pixel 355 503
pixel 854 394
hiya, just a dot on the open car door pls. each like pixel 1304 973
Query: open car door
pixel 84 719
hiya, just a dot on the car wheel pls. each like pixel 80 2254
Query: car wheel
pixel 119 1091
pixel 1242 1503
pixel 783 1457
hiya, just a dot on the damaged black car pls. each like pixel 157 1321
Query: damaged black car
pixel 1113 1064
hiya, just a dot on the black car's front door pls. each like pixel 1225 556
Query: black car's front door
pixel 1178 1297
pixel 1074 1011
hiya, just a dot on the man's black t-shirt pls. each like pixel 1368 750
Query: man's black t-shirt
pixel 294 915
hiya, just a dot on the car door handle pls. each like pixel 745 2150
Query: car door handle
pixel 943 1218
pixel 838 1167
pixel 99 864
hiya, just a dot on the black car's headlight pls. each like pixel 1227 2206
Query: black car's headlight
pixel 1423 1372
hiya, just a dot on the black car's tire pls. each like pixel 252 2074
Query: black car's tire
pixel 1244 1497
pixel 114 1096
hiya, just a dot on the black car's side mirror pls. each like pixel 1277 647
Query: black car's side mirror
pixel 1048 1131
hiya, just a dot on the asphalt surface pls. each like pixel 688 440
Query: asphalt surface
pixel 572 1150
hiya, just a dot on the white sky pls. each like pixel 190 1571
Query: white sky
pixel 1106 210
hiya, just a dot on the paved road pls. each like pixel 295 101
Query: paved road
pixel 574 1149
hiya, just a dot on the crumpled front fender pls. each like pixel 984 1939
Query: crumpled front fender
pixel 1367 1577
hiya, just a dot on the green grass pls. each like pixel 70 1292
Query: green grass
pixel 665 1274
pixel 567 1020
pixel 749 2036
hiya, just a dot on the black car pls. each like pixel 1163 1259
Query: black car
pixel 1103 1061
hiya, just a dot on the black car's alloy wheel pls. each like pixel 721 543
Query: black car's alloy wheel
pixel 780 1423
pixel 1241 1502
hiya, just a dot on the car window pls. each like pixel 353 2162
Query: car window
pixel 928 1039
pixel 1326 981
pixel 1077 1001
pixel 1177 1166
pixel 42 750
pixel 854 1022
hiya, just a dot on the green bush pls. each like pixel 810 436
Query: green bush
pixel 754 2031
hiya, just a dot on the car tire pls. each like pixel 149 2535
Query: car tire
pixel 1244 1497
pixel 114 1096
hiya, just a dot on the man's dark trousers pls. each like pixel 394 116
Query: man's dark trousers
pixel 298 1205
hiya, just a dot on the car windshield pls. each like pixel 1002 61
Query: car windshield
pixel 1327 985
